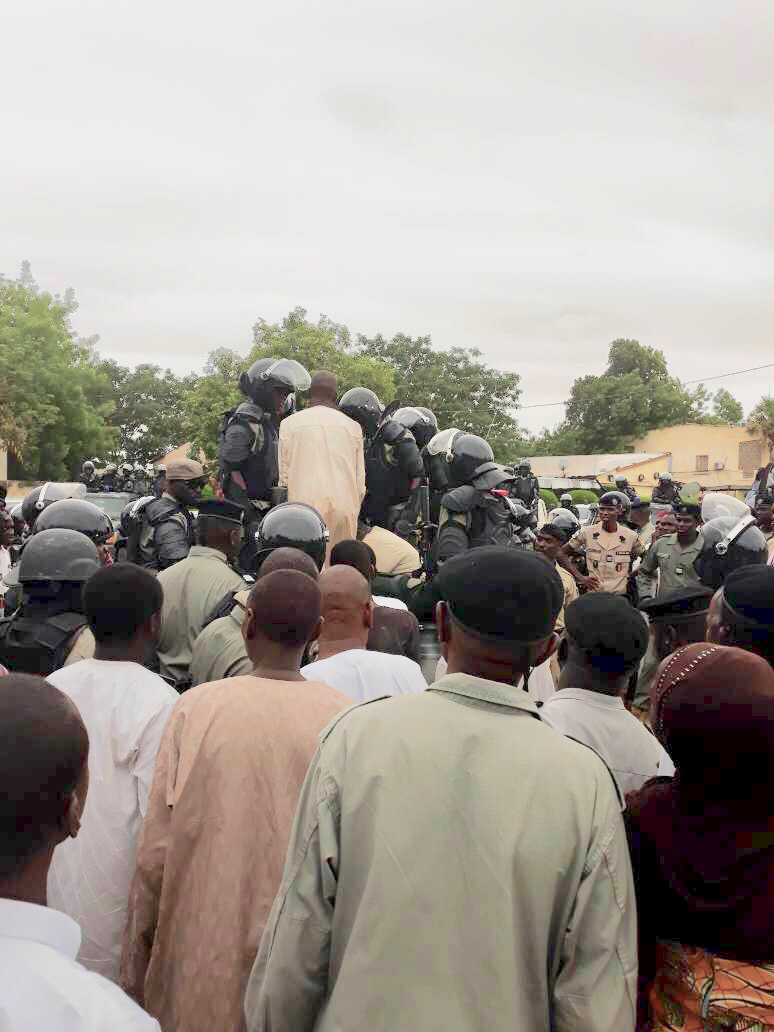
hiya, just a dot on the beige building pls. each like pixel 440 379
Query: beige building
pixel 714 456
pixel 3 463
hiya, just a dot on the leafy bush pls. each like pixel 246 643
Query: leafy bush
pixel 548 496
pixel 580 494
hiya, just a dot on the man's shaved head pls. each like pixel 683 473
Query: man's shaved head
pixel 288 559
pixel 324 386
pixel 346 605
pixel 284 607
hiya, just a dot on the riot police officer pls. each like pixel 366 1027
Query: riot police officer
pixel 293 525
pixel 89 476
pixel 109 480
pixel 665 492
pixel 525 486
pixel 393 465
pixel 36 501
pixel 47 629
pixel 125 478
pixel 161 530
pixel 566 502
pixel 79 515
pixel 249 437
pixel 622 485
pixel 476 511
pixel 420 421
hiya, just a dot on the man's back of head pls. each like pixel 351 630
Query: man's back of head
pixel 288 559
pixel 607 638
pixel 323 388
pixel 346 610
pixel 356 554
pixel 742 612
pixel 282 616
pixel 122 604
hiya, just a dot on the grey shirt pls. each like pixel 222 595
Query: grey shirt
pixel 455 863
pixel 673 563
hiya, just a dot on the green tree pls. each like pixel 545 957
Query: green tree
pixel 54 400
pixel 726 408
pixel 461 390
pixel 321 345
pixel 634 394
pixel 760 422
pixel 148 402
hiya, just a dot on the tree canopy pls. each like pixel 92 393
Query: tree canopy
pixel 761 421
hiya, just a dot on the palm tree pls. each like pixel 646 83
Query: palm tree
pixel 760 422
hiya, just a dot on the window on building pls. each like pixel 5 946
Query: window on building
pixel 750 457
pixel 702 463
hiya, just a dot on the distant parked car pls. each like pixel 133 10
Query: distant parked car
pixel 111 503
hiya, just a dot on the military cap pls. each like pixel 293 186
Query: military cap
pixel 687 509
pixel 185 469
pixel 640 503
pixel 222 509
pixel 502 595
pixel 678 605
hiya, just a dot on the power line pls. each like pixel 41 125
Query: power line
pixel 703 379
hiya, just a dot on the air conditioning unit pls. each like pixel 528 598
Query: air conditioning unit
pixel 718 465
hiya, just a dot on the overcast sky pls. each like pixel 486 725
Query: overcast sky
pixel 534 179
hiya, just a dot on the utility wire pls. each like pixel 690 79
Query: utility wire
pixel 703 379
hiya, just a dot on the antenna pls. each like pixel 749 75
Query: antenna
pixel 563 464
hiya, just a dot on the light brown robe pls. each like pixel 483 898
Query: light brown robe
pixel 228 775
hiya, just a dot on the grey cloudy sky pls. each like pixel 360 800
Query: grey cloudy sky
pixel 534 179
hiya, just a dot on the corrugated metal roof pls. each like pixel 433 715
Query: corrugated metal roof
pixel 589 465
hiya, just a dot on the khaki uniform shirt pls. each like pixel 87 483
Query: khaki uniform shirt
pixel 393 554
pixel 192 589
pixel 82 648
pixel 219 651
pixel 672 562
pixel 454 864
pixel 609 555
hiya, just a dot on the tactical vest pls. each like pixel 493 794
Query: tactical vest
pixel 32 646
pixel 261 469
pixel 386 483
pixel 141 539
pixel 525 489
pixel 487 518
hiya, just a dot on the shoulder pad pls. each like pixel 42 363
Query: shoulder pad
pixel 460 499
pixel 161 509
pixel 250 410
pixel 491 475
pixel 392 432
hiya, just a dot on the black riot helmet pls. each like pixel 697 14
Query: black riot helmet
pixel 362 405
pixel 88 466
pixel 468 452
pixel 58 556
pixel 17 516
pixel 131 511
pixel 439 456
pixel 294 525
pixel 37 500
pixel 562 524
pixel 421 422
pixel 76 514
pixel 269 374
pixel 729 542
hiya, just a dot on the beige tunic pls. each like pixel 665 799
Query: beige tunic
pixel 393 554
pixel 455 864
pixel 192 589
pixel 210 856
pixel 321 463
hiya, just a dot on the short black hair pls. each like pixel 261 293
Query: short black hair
pixel 357 554
pixel 118 600
pixel 748 609
pixel 287 606
pixel 209 527
pixel 608 631
pixel 43 750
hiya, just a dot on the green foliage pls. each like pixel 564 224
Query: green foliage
pixel 55 401
pixel 760 422
pixel 147 406
pixel 580 494
pixel 207 399
pixel 461 390
pixel 634 394
pixel 726 408
pixel 549 497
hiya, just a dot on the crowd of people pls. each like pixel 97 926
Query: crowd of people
pixel 236 795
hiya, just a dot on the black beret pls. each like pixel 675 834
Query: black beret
pixel 749 592
pixel 608 629
pixel 681 603
pixel 505 595
pixel 221 509
pixel 687 509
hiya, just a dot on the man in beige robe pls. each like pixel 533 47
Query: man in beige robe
pixel 227 778
pixel 321 460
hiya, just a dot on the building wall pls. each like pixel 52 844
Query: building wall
pixel 695 450
pixel 3 464
pixel 647 470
